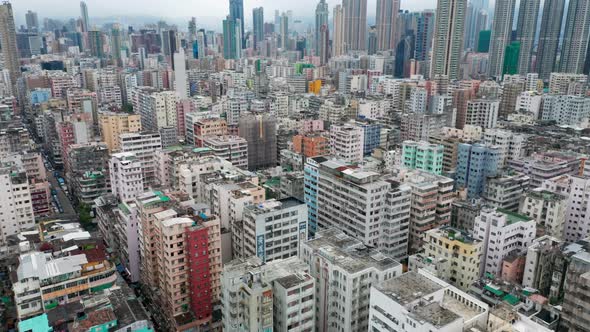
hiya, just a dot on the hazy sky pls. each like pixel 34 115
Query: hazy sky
pixel 182 8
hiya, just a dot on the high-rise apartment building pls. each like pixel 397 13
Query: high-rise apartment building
pixel 84 16
pixel 448 38
pixel 346 200
pixel 567 84
pixel 96 43
pixel 548 209
pixel 15 203
pixel 424 34
pixel 180 78
pixel 232 38
pixel 229 147
pixel 156 108
pixel 310 145
pixel 324 179
pixel 355 25
pixel 566 109
pixel 144 145
pixel 476 20
pixel 511 145
pixel 321 18
pixel 259 296
pixel 8 37
pixel 475 163
pixel 126 176
pixel 386 22
pixel 258 23
pixel 454 253
pixel 111 125
pixel 347 142
pixel 549 37
pixel 575 37
pixel 432 196
pixel 503 233
pixel 525 33
pixel 501 32
pixel 284 32
pixel 273 229
pixel 418 301
pixel 192 245
pixel 346 270
pixel 338 36
pixel 32 20
pixel 575 316
pixel 482 113
pixel 576 225
pixel 236 12
pixel 423 156
pixel 505 190
pixel 260 133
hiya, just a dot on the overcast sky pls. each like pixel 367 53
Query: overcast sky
pixel 182 8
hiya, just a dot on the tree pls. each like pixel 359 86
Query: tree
pixel 84 215
pixel 127 108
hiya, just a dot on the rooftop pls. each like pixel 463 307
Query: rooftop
pixel 454 234
pixel 35 324
pixel 349 253
pixel 513 217
pixel 409 287
pixel 293 280
pixel 154 197
pixel 435 314
pixel 126 305
pixel 274 205
pixel 38 264
pixel 177 221
pixel 546 195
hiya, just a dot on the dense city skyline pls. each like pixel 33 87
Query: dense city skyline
pixel 182 9
pixel 309 166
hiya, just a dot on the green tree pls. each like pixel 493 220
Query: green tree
pixel 84 215
pixel 127 108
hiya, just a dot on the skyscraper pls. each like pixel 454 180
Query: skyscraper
pixel 501 31
pixel 575 37
pixel 448 38
pixel 84 16
pixel 116 44
pixel 324 44
pixel 475 21
pixel 424 33
pixel 201 44
pixel 321 19
pixel 96 44
pixel 284 31
pixel 355 25
pixel 549 37
pixel 170 44
pixel 525 33
pixel 192 29
pixel 338 23
pixel 260 133
pixel 180 78
pixel 8 39
pixel 236 12
pixel 386 17
pixel 232 38
pixel 32 21
pixel 258 23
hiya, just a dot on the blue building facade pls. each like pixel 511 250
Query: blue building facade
pixel 39 96
pixel 371 137
pixel 310 193
pixel 475 163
